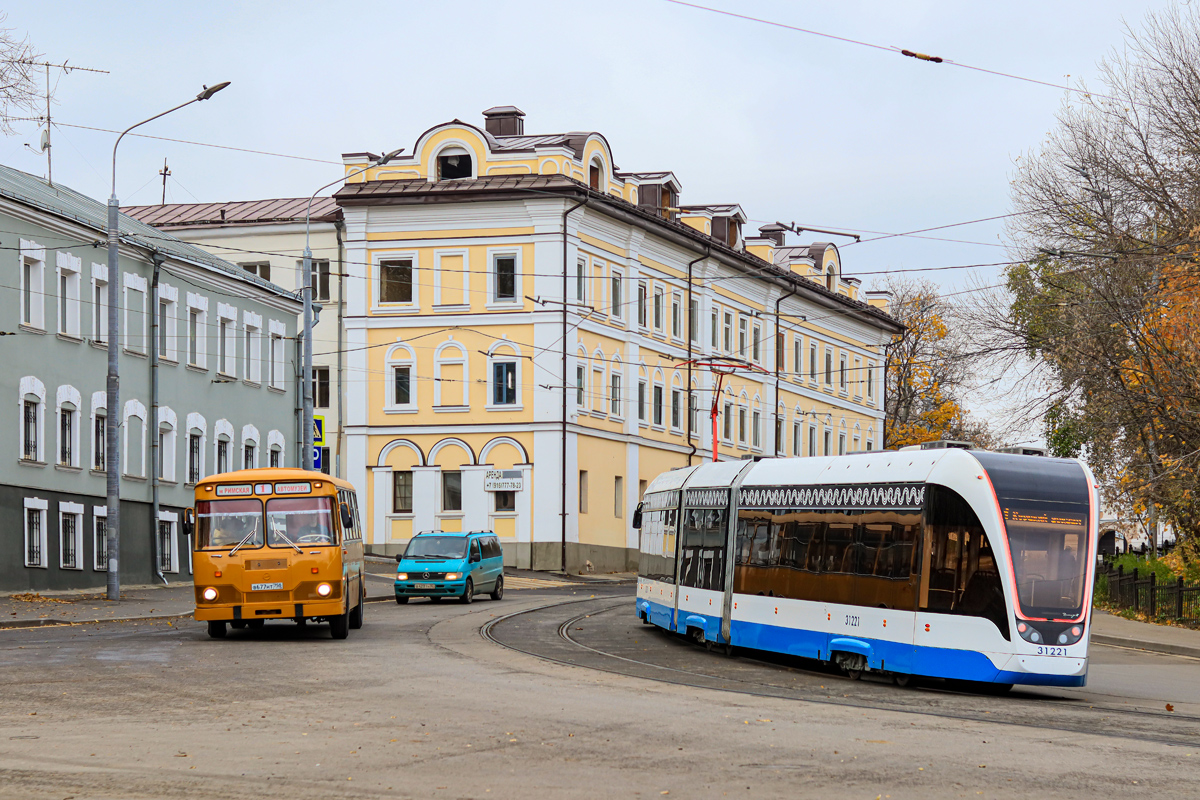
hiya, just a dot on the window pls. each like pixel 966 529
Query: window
pixel 226 341
pixel 795 438
pixel 694 320
pixel 31 429
pixel 396 281
pixel 70 536
pixel 676 409
pixel 402 492
pixel 100 538
pixel 828 367
pixel 35 532
pixel 779 439
pixel 166 546
pixel 812 440
pixel 164 314
pixel 658 309
pixel 504 383
pixel 727 423
pixel 641 303
pixel 616 298
pixel 614 394
pixel 743 332
pixel 742 424
pixel 797 361
pixel 619 497
pixel 251 339
pixel 583 491
pixel 135 313
pixel 756 429
pixel 504 502
pixel 275 359
pixel 320 387
pixel 693 413
pixel 812 362
pixel 658 406
pixel 195 331
pixel 780 351
pixel 222 455
pixel 504 269
pixel 275 458
pixel 99 440
pixel 401 386
pixel 714 331
pixel 581 280
pixel 194 450
pixel 858 381
pixel 260 268
pixel 676 318
pixel 598 402
pixel 248 455
pixel 580 385
pixel 325 464
pixel 69 281
pixel 756 350
pixel 842 373
pixel 454 166
pixel 841 444
pixel 67 417
pixel 319 279
pixel 99 304
pixel 641 401
pixel 828 443
pixel 452 491
pixel 594 176
pixel 870 382
pixel 33 285
pixel 870 445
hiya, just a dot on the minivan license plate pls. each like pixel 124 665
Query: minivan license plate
pixel 424 586
pixel 263 587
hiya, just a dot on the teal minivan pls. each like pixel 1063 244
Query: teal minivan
pixel 439 564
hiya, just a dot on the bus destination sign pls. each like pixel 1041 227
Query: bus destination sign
pixel 235 490
pixel 301 487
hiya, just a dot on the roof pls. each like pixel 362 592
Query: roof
pixel 68 204
pixel 420 191
pixel 235 213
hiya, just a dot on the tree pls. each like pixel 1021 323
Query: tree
pixel 1108 219
pixel 926 368
pixel 18 89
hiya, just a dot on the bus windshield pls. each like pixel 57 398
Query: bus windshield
pixel 222 524
pixel 437 547
pixel 305 521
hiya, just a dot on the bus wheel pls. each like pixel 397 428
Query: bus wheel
pixel 468 593
pixel 237 624
pixel 339 626
pixel 256 624
pixel 216 629
pixel 356 616
pixel 401 600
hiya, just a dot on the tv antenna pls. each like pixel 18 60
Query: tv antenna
pixel 44 144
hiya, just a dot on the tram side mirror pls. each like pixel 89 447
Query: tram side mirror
pixel 637 517
pixel 347 519
pixel 189 521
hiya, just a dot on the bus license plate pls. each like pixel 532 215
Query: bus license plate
pixel 424 586
pixel 265 587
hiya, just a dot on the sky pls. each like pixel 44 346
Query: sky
pixel 794 127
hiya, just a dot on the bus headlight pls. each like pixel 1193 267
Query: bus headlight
pixel 401 576
pixel 210 594
pixel 324 589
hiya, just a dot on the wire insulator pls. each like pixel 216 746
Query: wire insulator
pixel 922 56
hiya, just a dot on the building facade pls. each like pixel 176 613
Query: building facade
pixel 266 238
pixel 226 376
pixel 523 322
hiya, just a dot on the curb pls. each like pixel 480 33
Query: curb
pixel 1151 647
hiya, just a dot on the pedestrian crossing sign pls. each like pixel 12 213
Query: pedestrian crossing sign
pixel 318 430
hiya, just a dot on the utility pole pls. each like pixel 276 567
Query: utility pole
pixel 165 174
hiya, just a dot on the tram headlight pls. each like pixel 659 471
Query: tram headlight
pixel 401 576
pixel 1029 633
pixel 210 594
pixel 324 589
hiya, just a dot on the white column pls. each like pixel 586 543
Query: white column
pixel 476 502
pixel 380 532
pixel 426 498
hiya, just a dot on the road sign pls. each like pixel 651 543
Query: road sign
pixel 318 429
pixel 317 465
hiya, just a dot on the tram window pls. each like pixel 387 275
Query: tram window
pixel 795 538
pixel 962 578
pixel 703 548
pixel 840 550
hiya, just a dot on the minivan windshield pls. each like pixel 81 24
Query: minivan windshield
pixel 443 547
pixel 222 524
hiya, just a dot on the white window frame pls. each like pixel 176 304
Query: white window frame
pixel 168 432
pixel 616 294
pixel 30 385
pixel 727 332
pixel 133 410
pixel 252 323
pixel 756 429
pixel 503 352
pixel 41 506
pixel 440 360
pixel 33 255
pixel 276 443
pixel 677 332
pixel 99 411
pixel 222 432
pixel 616 396
pixel 69 401
pixel 643 304
pixel 599 398
pixel 715 337
pixel 168 296
pixel 743 335
pixel 813 363
pixel 199 305
pixel 643 403
pixel 796 434
pixel 756 348
pixel 658 310
pixel 797 358
pixel 727 422
pixel 278 332
pixel 74 510
pixel 494 253
pixel 855 380
pixel 98 564
pixel 870 380
pixel 249 437
pixel 400 355
pixel 70 268
pixel 439 299
pixel 413 306
pixel 743 424
pixel 843 374
pixel 812 439
pixel 580 386
pixel 135 342
pixel 581 279
pixel 658 403
pixel 99 303
pixel 227 340
pixel 172 519
pixel 677 410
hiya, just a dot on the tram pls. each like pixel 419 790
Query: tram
pixel 935 562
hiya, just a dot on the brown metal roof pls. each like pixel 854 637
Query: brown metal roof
pixel 238 213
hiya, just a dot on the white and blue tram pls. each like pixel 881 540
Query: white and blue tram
pixel 945 563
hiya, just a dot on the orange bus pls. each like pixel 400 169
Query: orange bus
pixel 276 544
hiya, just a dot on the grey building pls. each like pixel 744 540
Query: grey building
pixel 227 377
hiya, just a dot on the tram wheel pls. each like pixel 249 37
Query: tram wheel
pixel 902 680
pixel 217 629
pixel 854 674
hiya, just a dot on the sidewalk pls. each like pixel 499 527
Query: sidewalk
pixel 1121 632
pixel 137 603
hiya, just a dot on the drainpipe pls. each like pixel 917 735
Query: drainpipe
pixel 337 228
pixel 691 334
pixel 565 301
pixel 155 454
pixel 778 357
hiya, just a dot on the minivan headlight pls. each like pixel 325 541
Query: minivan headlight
pixel 401 576
pixel 452 576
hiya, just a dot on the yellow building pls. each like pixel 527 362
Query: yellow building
pixel 519 320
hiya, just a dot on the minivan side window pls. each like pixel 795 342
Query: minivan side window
pixel 475 548
pixel 491 547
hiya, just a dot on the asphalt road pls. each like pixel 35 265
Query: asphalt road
pixel 419 704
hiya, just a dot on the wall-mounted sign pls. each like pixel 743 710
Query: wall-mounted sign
pixel 503 480
pixel 235 490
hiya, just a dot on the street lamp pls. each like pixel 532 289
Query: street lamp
pixel 306 448
pixel 112 453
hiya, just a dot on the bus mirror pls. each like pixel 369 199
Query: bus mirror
pixel 347 519
pixel 637 517
pixel 189 521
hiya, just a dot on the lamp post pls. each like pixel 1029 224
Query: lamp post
pixel 112 453
pixel 307 413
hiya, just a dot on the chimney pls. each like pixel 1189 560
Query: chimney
pixel 504 121
pixel 774 232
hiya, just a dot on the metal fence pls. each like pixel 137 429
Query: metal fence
pixel 1144 593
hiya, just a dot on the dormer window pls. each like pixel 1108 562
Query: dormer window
pixel 594 173
pixel 453 163
pixel 830 279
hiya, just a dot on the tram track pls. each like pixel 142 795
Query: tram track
pixel 677 662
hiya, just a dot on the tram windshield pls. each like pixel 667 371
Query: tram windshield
pixel 1046 505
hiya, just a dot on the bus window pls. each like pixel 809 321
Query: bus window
pixel 222 524
pixel 300 521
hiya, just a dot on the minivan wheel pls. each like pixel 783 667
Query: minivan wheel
pixel 468 593
pixel 498 589
pixel 401 600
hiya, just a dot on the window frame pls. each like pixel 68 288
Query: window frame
pixel 32 262
pixel 99 304
pixel 658 310
pixel 134 343
pixel 616 294
pixel 494 255
pixel 400 356
pixel 36 508
pixel 69 283
pixel 197 307
pixel 642 297
pixel 397 474
pixel 74 513
pixel 396 259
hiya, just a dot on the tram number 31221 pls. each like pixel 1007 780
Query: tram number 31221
pixel 853 620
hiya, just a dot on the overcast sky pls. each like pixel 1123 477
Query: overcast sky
pixel 791 126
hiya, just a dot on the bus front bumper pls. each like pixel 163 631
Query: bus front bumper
pixel 276 610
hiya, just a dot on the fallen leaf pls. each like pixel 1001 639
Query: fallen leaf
pixel 1170 707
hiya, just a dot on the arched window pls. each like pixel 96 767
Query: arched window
pixel 678 403
pixel 68 401
pixel 98 429
pixel 223 446
pixel 249 447
pixel 830 278
pixel 32 404
pixel 276 446
pixel 616 388
pixel 134 430
pixel 596 177
pixel 167 425
pixel 450 376
pixel 401 379
pixel 581 386
pixel 504 377
pixel 657 400
pixel 197 433
pixel 454 162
